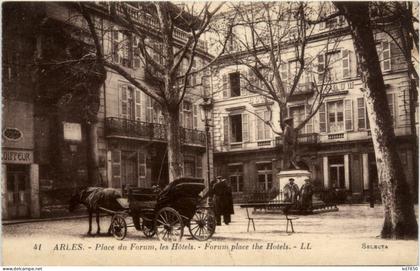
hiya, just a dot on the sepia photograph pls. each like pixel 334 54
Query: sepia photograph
pixel 208 133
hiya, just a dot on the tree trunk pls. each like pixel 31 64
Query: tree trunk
pixel 400 220
pixel 92 155
pixel 173 134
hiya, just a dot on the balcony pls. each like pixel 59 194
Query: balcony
pixel 303 90
pixel 119 127
pixel 148 21
pixel 302 139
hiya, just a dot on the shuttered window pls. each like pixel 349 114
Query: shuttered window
pixel 386 56
pixel 348 114
pixel 346 63
pixel 391 105
pixel 321 68
pixel 361 113
pixel 245 128
pixel 226 130
pixel 225 85
pixel 322 119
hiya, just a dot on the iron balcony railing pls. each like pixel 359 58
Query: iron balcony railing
pixel 150 131
pixel 310 138
pixel 147 20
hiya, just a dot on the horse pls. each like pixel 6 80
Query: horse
pixel 94 198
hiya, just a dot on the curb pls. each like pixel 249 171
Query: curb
pixel 14 222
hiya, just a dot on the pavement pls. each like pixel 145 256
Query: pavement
pixel 349 236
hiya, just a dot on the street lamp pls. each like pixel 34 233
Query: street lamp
pixel 205 112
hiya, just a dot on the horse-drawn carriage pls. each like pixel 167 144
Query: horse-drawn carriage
pixel 165 213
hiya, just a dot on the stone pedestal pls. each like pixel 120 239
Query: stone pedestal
pixel 298 174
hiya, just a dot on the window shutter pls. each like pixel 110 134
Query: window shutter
pixel 136 53
pixel 321 67
pixel 141 159
pixel 123 102
pixel 195 116
pixel 245 128
pixel 361 113
pixel 243 83
pixel 260 128
pixel 149 110
pixel 322 119
pixel 138 104
pixel 252 79
pixel 225 130
pixel 267 129
pixel 345 56
pixel 198 166
pixel 181 114
pixel 386 56
pixel 391 105
pixel 348 112
pixel 116 168
pixel 225 82
pixel 309 125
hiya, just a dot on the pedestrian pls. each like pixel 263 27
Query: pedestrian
pixel 223 202
pixel 291 191
pixel 306 192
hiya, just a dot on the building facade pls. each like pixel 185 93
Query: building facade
pixel 335 144
pixel 45 131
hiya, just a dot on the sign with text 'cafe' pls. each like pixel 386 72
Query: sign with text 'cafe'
pixel 17 157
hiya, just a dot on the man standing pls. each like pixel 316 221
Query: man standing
pixel 291 191
pixel 223 202
pixel 306 192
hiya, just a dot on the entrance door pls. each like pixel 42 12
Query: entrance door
pixel 129 168
pixel 18 191
pixel 337 172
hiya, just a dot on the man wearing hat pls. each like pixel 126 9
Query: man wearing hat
pixel 306 192
pixel 291 191
pixel 289 144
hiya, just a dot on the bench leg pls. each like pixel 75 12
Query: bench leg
pixel 249 223
pixel 291 225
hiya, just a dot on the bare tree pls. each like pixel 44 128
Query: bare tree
pixel 400 219
pixel 263 34
pixel 151 32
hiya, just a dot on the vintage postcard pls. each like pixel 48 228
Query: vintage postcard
pixel 210 133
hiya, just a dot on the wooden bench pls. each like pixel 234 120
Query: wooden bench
pixel 285 206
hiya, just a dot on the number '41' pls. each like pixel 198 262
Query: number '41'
pixel 37 247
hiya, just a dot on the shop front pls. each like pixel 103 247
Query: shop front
pixel 20 185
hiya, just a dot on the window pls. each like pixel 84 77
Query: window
pixel 362 117
pixel 386 56
pixel 263 130
pixel 128 105
pixel 333 66
pixel 189 166
pixel 322 119
pixel 298 115
pixel 187 115
pixel 149 110
pixel 335 116
pixel 236 178
pixel 235 128
pixel 122 48
pixel 336 167
pixel 235 84
pixel 265 176
pixel 391 105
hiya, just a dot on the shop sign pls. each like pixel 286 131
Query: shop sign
pixel 72 131
pixel 17 157
pixel 12 134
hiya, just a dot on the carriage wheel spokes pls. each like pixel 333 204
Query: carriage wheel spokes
pixel 118 227
pixel 202 225
pixel 169 225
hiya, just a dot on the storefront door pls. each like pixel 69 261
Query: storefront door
pixel 18 191
pixel 129 168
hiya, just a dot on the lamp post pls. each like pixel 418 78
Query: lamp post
pixel 206 106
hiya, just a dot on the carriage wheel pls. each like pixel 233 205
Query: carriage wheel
pixel 118 227
pixel 202 225
pixel 169 225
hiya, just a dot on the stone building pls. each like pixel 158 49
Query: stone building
pixel 335 145
pixel 46 130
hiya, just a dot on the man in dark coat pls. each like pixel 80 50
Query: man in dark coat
pixel 291 191
pixel 223 202
pixel 306 192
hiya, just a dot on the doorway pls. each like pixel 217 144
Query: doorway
pixel 18 191
pixel 129 168
pixel 337 171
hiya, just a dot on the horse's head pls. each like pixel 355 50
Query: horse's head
pixel 76 199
